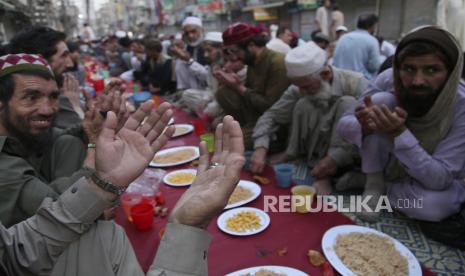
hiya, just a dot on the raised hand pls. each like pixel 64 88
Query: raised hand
pixel 71 90
pixel 214 184
pixel 362 113
pixel 258 160
pixel 121 156
pixel 389 122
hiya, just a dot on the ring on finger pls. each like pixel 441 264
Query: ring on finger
pixel 214 165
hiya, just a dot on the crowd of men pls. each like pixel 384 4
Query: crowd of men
pixel 389 125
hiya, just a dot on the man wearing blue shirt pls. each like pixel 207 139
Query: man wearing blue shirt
pixel 359 50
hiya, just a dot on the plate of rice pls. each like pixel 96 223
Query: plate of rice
pixel 358 250
pixel 245 192
pixel 268 270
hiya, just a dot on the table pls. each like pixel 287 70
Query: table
pixel 296 232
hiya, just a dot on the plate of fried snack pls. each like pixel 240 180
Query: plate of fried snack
pixel 243 221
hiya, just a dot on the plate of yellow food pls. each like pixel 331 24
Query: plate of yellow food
pixel 175 156
pixel 180 178
pixel 268 270
pixel 182 129
pixel 358 250
pixel 245 192
pixel 243 221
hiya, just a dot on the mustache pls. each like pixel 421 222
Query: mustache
pixel 419 88
pixel 42 118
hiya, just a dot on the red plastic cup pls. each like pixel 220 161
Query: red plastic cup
pixel 99 85
pixel 199 126
pixel 142 216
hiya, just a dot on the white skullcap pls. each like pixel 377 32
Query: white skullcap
pixel 216 37
pixel 279 46
pixel 342 28
pixel 192 20
pixel 305 60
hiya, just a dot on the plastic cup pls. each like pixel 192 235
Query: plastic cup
pixel 302 197
pixel 128 200
pixel 99 85
pixel 155 100
pixel 284 174
pixel 142 215
pixel 199 126
pixel 209 138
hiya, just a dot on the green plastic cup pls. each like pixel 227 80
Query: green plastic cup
pixel 209 138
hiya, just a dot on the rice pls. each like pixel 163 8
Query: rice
pixel 370 254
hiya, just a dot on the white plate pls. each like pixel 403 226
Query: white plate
pixel 189 129
pixel 252 187
pixel 329 241
pixel 276 269
pixel 167 182
pixel 264 221
pixel 164 165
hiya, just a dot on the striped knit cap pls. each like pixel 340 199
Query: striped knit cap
pixel 13 63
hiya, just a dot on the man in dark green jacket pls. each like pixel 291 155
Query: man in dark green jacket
pixel 266 78
pixel 36 160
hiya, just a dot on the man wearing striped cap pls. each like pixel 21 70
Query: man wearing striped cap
pixel 34 157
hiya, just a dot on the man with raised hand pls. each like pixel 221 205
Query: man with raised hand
pixel 64 239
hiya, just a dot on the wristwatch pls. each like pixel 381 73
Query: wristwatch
pixel 105 184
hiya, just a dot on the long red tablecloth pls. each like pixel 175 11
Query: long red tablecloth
pixel 296 232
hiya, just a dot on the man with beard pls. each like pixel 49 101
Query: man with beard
pixel 312 106
pixel 198 99
pixel 193 37
pixel 37 161
pixel 155 73
pixel 51 45
pixel 410 131
pixel 265 83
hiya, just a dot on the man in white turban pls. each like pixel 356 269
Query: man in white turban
pixel 312 106
pixel 193 37
pixel 198 100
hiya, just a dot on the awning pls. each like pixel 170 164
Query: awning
pixel 7 6
pixel 264 6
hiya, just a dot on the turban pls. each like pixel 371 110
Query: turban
pixel 305 60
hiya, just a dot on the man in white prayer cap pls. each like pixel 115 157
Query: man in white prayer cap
pixel 193 37
pixel 312 106
pixel 197 100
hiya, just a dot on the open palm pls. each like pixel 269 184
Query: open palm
pixel 213 185
pixel 121 156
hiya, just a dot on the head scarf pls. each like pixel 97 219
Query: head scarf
pixel 433 127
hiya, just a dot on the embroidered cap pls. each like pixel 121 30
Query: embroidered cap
pixel 13 63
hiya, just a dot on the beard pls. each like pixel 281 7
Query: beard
pixel 416 104
pixel 32 142
pixel 59 79
pixel 323 93
pixel 195 43
pixel 249 58
pixel 216 60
